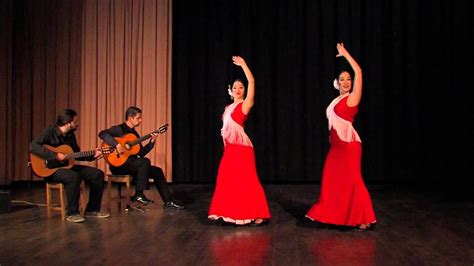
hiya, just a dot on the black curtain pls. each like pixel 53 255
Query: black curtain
pixel 415 118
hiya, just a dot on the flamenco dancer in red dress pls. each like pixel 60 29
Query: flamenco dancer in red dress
pixel 344 199
pixel 238 197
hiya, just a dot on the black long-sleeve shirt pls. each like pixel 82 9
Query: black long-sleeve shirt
pixel 109 135
pixel 52 136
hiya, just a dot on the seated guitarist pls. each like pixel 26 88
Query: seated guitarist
pixel 138 165
pixel 63 133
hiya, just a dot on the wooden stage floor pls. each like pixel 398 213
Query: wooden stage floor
pixel 416 226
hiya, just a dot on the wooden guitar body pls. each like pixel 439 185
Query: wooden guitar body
pixel 117 159
pixel 45 168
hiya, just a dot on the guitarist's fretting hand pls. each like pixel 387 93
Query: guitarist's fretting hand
pixel 153 137
pixel 98 154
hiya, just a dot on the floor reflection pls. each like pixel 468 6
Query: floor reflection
pixel 242 247
pixel 347 249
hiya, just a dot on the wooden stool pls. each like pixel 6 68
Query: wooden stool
pixel 61 206
pixel 121 179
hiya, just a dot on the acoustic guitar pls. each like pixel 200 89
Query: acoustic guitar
pixel 129 142
pixel 44 168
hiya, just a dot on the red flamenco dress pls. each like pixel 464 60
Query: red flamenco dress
pixel 238 197
pixel 344 199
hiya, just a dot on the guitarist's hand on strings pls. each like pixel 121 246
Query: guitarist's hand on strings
pixel 119 148
pixel 153 137
pixel 60 156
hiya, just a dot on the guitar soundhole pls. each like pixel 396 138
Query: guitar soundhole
pixel 52 164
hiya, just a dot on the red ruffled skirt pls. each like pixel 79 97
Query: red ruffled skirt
pixel 344 199
pixel 238 196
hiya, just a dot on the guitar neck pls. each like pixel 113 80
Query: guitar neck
pixel 80 154
pixel 142 138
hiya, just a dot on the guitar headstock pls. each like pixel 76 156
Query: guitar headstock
pixel 162 129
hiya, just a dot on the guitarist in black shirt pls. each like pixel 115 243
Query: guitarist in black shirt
pixel 62 133
pixel 136 164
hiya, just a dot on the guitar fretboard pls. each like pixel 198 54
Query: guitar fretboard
pixel 161 130
pixel 80 154
pixel 142 138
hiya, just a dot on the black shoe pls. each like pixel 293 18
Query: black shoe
pixel 142 199
pixel 173 205
pixel 220 222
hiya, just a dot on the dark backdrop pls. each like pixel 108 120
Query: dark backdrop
pixel 415 117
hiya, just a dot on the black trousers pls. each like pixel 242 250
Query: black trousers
pixel 141 169
pixel 71 178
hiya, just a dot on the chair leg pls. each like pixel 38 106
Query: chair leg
pixel 48 199
pixel 61 202
pixel 61 205
pixel 109 193
pixel 128 195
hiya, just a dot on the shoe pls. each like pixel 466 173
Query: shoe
pixel 255 224
pixel 142 199
pixel 369 227
pixel 75 218
pixel 99 214
pixel 173 205
pixel 221 222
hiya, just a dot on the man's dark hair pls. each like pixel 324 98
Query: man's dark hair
pixel 132 111
pixel 65 116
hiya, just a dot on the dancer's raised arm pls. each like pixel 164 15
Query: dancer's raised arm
pixel 356 94
pixel 249 99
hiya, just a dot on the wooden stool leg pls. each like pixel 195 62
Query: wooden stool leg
pixel 61 201
pixel 128 194
pixel 109 193
pixel 48 199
